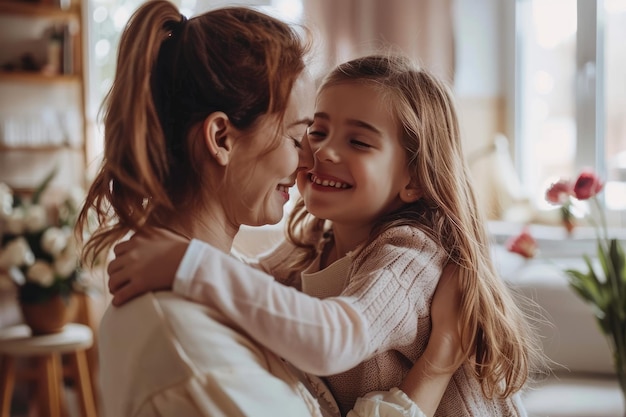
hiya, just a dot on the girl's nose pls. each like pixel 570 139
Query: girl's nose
pixel 326 151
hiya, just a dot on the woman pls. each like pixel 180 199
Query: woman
pixel 203 130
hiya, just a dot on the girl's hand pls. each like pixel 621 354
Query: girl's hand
pixel 146 262
pixel 427 381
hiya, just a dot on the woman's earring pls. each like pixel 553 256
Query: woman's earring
pixel 409 196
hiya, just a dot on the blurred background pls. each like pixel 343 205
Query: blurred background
pixel 539 84
pixel 540 88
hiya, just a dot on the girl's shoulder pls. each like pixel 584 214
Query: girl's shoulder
pixel 405 236
pixel 404 241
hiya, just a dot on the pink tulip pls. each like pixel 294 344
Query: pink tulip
pixel 523 244
pixel 559 192
pixel 587 185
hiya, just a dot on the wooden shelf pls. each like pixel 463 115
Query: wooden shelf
pixel 42 148
pixel 23 155
pixel 37 77
pixel 35 9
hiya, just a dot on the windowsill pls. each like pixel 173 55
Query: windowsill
pixel 553 241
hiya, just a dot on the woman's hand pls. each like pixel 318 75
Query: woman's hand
pixel 146 262
pixel 427 381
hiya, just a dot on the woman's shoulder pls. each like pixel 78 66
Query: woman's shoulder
pixel 152 309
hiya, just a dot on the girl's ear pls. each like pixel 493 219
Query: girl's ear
pixel 217 137
pixel 410 193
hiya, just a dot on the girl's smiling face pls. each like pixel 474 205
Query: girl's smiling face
pixel 360 168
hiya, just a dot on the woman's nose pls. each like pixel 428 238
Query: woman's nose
pixel 305 155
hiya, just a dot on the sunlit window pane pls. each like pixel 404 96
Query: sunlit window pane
pixel 547 94
pixel 615 99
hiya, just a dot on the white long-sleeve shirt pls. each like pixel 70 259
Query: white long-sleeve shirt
pixel 364 340
pixel 164 356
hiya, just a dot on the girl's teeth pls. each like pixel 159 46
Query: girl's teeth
pixel 329 183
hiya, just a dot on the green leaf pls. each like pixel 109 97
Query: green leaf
pixel 618 262
pixel 44 184
pixel 587 286
pixel 604 260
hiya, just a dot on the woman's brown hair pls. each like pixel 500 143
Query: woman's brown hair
pixel 171 74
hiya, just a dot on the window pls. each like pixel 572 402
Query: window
pixel 571 95
pixel 106 20
pixel 615 103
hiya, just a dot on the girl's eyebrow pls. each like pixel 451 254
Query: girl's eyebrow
pixel 352 122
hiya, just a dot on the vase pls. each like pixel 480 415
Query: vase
pixel 621 377
pixel 618 347
pixel 49 316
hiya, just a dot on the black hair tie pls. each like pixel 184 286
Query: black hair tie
pixel 177 27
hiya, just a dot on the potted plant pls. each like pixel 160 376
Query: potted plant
pixel 603 283
pixel 39 253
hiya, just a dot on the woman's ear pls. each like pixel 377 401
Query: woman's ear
pixel 410 193
pixel 217 137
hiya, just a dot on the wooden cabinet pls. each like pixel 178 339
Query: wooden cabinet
pixel 42 92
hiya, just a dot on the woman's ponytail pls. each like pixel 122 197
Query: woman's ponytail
pixel 135 165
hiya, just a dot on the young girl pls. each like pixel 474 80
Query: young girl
pixel 388 201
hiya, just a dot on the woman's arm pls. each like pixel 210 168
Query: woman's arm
pixel 146 262
pixel 276 263
pixel 322 337
pixel 157 252
pixel 427 381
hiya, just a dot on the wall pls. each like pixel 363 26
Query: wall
pixel 481 87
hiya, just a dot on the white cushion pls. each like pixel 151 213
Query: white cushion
pixel 571 336
pixel 566 396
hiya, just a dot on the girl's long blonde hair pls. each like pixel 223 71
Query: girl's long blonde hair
pixel 171 74
pixel 503 348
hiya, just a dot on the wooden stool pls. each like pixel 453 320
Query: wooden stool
pixel 73 341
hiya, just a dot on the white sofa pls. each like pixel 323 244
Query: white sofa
pixel 583 382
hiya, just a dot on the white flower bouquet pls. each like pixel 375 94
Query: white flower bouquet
pixel 38 250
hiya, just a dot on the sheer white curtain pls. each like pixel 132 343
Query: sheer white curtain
pixel 421 29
